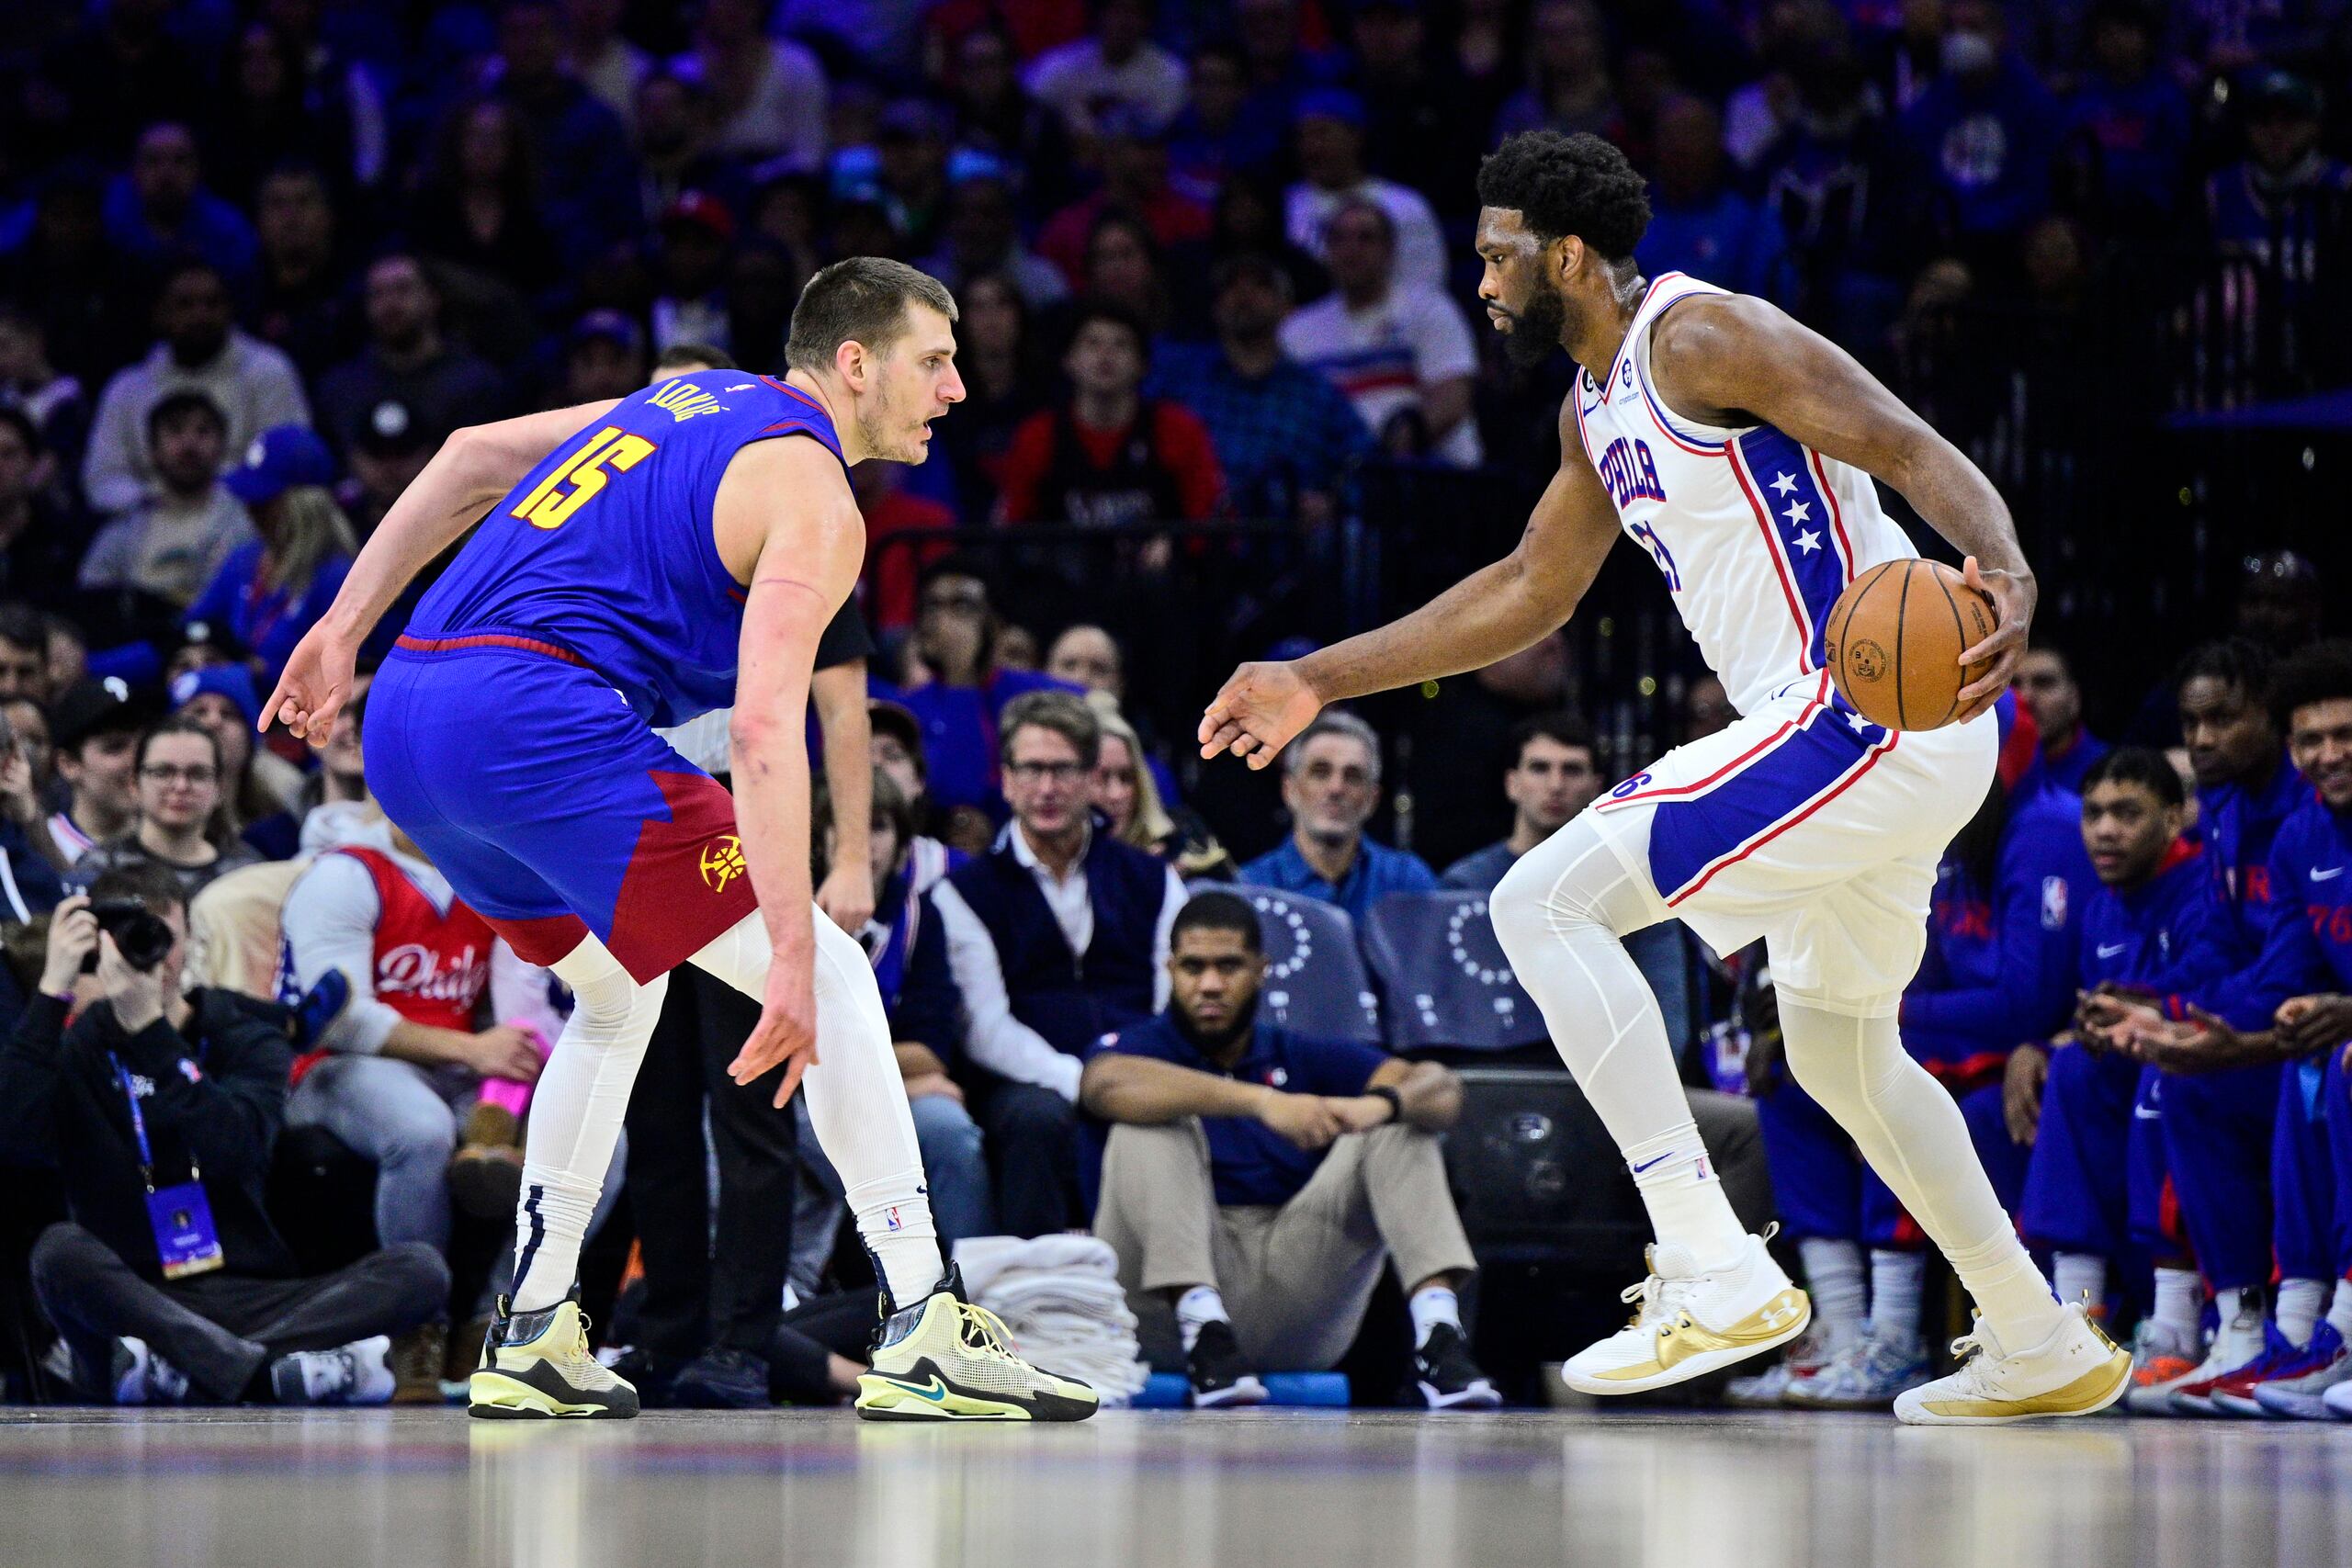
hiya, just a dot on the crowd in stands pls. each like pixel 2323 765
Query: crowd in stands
pixel 257 261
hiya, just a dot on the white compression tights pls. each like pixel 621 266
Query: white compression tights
pixel 856 1103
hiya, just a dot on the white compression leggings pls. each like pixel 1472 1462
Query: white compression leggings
pixel 1561 914
pixel 857 1104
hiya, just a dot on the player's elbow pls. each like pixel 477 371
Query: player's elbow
pixel 756 734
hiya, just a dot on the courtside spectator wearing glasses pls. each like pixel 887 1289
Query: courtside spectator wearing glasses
pixel 1331 786
pixel 179 779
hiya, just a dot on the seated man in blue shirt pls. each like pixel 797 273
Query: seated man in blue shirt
pixel 1282 1168
pixel 1331 785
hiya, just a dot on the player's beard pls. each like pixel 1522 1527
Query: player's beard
pixel 1536 331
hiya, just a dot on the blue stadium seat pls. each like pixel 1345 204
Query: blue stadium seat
pixel 1316 981
pixel 1444 982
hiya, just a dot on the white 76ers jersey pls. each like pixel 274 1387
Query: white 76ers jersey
pixel 1755 533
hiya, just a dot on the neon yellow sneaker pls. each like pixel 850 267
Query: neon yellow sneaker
pixel 536 1364
pixel 945 1359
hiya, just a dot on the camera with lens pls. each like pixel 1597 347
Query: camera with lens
pixel 140 934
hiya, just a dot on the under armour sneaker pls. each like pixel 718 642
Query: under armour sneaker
pixel 1690 1320
pixel 2161 1361
pixel 536 1364
pixel 945 1359
pixel 1447 1377
pixel 2236 1345
pixel 2206 1397
pixel 357 1373
pixel 1867 1375
pixel 142 1377
pixel 2298 1391
pixel 1220 1375
pixel 2075 1371
pixel 1805 1355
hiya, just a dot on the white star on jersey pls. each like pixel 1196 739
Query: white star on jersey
pixel 1784 484
pixel 1808 541
pixel 1799 511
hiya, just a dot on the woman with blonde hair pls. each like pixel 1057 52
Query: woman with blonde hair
pixel 1126 790
pixel 270 591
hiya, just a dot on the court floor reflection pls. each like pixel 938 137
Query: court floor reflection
pixel 421 1489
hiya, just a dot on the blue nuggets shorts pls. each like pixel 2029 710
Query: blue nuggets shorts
pixel 553 809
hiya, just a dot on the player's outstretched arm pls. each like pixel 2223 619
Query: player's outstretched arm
pixel 1735 360
pixel 787 500
pixel 1490 615
pixel 473 468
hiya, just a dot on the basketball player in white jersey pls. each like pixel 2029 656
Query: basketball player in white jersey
pixel 1738 449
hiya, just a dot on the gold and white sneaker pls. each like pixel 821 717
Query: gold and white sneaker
pixel 2077 1370
pixel 536 1364
pixel 945 1359
pixel 1690 1320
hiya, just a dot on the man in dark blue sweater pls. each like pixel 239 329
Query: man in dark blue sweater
pixel 1056 935
pixel 1282 1168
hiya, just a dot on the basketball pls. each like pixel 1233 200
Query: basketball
pixel 1894 641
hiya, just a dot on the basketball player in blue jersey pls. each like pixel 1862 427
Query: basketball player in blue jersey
pixel 638 563
pixel 1738 449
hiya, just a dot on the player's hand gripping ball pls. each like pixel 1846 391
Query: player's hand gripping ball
pixel 1894 641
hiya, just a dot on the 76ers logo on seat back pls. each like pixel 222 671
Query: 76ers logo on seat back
pixel 1629 473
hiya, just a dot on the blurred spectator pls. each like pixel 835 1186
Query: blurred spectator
pixel 909 172
pixel 178 766
pixel 1823 180
pixel 27 720
pixel 1400 351
pixel 1278 68
pixel 172 541
pixel 1129 793
pixel 1570 88
pixel 896 744
pixel 690 303
pixel 117 1103
pixel 1056 935
pixel 1978 140
pixel 1554 774
pixel 120 67
pixel 160 211
pixel 601 58
pixel 605 358
pixel 1284 437
pixel 251 385
pixel 1230 1166
pixel 1001 363
pixel 437 383
pixel 342 810
pixel 259 789
pixel 68 278
pixel 996 116
pixel 1788 35
pixel 2045 686
pixel 1088 658
pixel 983 236
pixel 478 206
pixel 2128 122
pixel 1706 709
pixel 392 448
pixel 29 884
pixel 272 590
pixel 67 656
pixel 767 95
pixel 1109 456
pixel 55 404
pixel 2279 602
pixel 2287 203
pixel 1212 142
pixel 672 143
pixel 895 519
pixel 1248 221
pixel 1116 65
pixel 1699 224
pixel 1332 177
pixel 581 151
pixel 1122 267
pixel 1331 786
pixel 305 304
pixel 95 726
pixel 1136 186
pixel 24 653
pixel 40 542
pixel 1416 132
pixel 267 111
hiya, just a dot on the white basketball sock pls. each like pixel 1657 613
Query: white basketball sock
pixel 2339 1311
pixel 1196 1308
pixel 2180 1303
pixel 2081 1277
pixel 1833 1279
pixel 1897 1281
pixel 2299 1302
pixel 1431 1306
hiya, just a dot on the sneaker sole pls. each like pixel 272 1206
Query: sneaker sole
pixel 2084 1397
pixel 881 1397
pixel 495 1396
pixel 1699 1364
pixel 2156 1400
pixel 1479 1395
pixel 2241 1405
pixel 2282 1405
pixel 1239 1396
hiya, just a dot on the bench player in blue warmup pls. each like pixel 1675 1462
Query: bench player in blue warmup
pixel 638 563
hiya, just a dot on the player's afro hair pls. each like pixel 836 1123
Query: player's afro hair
pixel 1568 184
pixel 2319 673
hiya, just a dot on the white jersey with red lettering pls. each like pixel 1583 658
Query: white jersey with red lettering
pixel 1804 822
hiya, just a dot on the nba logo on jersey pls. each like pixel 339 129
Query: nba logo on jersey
pixel 1630 472
pixel 2053 903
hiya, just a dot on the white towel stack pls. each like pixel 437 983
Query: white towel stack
pixel 1061 1296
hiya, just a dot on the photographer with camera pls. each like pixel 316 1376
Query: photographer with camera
pixel 159 1110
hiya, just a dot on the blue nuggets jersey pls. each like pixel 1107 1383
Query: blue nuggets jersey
pixel 604 552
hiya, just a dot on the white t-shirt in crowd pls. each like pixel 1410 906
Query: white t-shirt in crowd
pixel 1421 243
pixel 1383 356
pixel 1076 83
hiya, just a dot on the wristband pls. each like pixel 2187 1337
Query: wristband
pixel 1396 1105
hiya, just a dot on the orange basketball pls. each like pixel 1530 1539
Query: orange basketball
pixel 1894 641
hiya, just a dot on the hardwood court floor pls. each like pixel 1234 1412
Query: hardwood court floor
pixel 422 1489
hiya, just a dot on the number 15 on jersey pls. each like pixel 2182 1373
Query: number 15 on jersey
pixel 549 505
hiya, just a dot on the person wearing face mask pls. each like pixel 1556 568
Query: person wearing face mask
pixel 1978 139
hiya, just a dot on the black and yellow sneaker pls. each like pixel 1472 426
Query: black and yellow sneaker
pixel 536 1364
pixel 945 1359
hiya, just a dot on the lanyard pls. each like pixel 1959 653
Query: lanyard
pixel 139 1128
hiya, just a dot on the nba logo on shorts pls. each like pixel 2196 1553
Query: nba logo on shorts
pixel 1629 787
